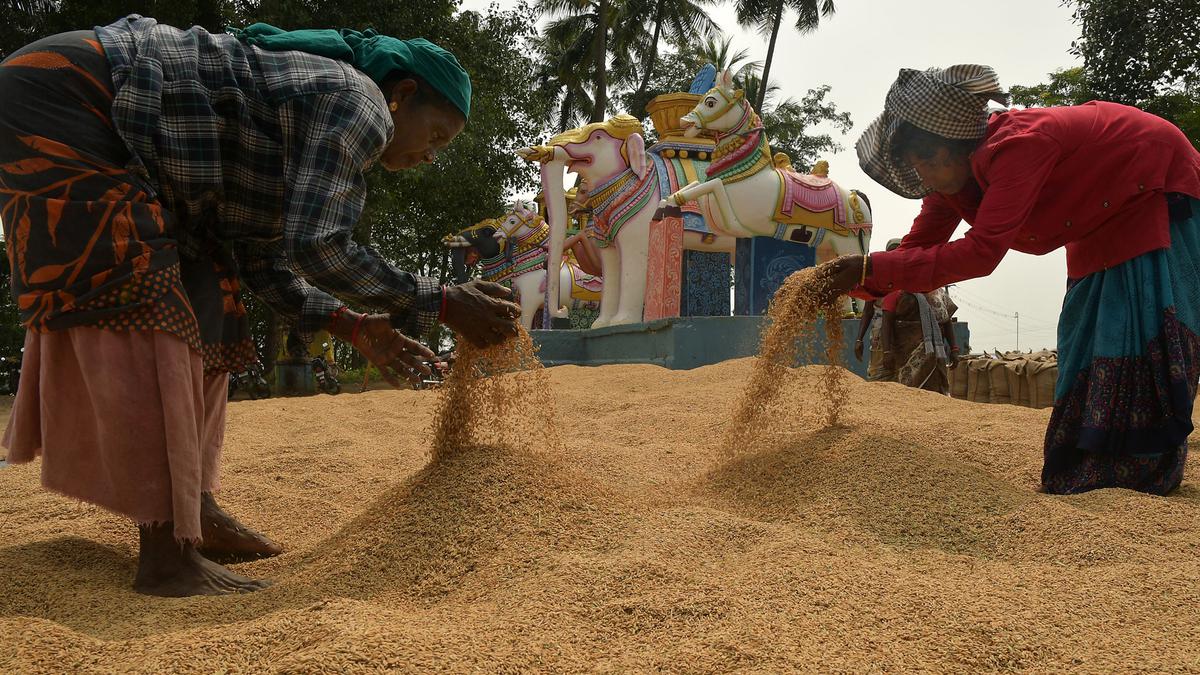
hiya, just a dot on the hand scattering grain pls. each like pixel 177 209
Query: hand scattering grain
pixel 497 396
pixel 769 401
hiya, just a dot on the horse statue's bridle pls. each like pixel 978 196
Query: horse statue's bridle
pixel 738 96
pixel 530 220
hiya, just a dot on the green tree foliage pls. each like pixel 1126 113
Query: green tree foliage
pixel 1144 54
pixel 766 16
pixel 589 47
pixel 790 127
pixel 1065 87
pixel 1137 51
pixel 23 21
pixel 674 21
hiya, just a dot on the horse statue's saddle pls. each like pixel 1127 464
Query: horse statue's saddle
pixel 815 200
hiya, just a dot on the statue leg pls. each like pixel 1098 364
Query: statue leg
pixel 610 262
pixel 634 242
pixel 674 198
pixel 529 286
pixel 716 189
pixel 566 287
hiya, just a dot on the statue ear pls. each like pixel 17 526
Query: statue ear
pixel 635 152
pixel 725 79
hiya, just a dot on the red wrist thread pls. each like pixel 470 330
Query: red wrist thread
pixel 335 314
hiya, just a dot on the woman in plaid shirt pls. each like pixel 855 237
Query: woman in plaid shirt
pixel 146 173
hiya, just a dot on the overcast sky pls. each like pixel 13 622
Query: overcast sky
pixel 859 52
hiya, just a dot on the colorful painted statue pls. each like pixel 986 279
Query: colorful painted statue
pixel 623 191
pixel 511 250
pixel 750 193
pixel 626 185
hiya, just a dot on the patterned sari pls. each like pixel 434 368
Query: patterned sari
pixel 88 243
pixel 1128 364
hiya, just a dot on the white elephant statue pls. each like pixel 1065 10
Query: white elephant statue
pixel 511 250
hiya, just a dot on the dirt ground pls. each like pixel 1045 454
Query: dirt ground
pixel 911 538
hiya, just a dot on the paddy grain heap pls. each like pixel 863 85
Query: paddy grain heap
pixel 910 537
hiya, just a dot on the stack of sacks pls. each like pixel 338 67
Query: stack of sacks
pixel 1019 378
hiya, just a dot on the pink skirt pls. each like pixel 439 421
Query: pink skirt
pixel 125 420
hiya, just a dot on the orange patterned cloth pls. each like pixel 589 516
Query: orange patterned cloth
pixel 88 243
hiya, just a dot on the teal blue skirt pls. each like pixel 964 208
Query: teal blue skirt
pixel 1128 364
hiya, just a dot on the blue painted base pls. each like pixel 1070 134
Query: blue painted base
pixel 705 290
pixel 679 343
pixel 762 265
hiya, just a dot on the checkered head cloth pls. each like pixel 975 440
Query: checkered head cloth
pixel 950 102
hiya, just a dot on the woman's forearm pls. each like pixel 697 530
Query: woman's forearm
pixel 865 322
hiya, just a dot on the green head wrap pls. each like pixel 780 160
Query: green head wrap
pixel 375 55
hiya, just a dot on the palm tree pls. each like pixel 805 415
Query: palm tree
pixel 590 32
pixel 676 21
pixel 767 17
pixel 564 68
pixel 752 84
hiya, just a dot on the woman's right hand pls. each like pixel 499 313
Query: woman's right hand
pixel 480 312
pixel 844 274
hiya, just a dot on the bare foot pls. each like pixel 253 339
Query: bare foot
pixel 169 569
pixel 226 540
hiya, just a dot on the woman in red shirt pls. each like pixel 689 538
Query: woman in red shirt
pixel 1119 189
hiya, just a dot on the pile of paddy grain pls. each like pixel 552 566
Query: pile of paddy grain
pixel 498 396
pixel 495 480
pixel 908 537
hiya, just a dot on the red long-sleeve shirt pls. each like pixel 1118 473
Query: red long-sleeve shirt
pixel 1088 177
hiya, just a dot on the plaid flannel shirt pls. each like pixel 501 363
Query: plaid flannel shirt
pixel 263 152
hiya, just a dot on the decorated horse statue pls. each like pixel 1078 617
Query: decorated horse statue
pixel 511 250
pixel 749 192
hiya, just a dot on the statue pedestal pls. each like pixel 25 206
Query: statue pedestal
pixel 682 343
pixel 664 266
pixel 761 266
pixel 706 278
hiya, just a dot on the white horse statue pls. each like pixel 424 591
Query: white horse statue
pixel 750 193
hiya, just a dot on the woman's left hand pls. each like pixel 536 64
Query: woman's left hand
pixel 397 356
